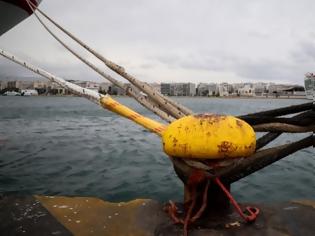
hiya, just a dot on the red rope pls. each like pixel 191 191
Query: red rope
pixel 253 211
pixel 190 210
pixel 204 204
pixel 172 211
pixel 249 215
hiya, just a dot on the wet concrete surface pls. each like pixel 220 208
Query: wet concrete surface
pixel 55 215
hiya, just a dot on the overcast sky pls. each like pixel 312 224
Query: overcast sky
pixel 176 40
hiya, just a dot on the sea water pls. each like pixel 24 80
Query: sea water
pixel 70 146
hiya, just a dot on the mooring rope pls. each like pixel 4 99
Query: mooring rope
pixel 104 100
pixel 173 108
pixel 130 91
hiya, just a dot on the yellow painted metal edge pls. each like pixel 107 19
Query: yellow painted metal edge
pixel 92 216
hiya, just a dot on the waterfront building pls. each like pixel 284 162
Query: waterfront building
pixel 3 85
pixel 189 89
pixel 260 89
pixel 92 85
pixel 39 84
pixel 286 90
pixel 48 87
pixel 166 89
pixel 237 87
pixel 115 90
pixel 204 89
pixel 178 89
pixel 247 90
pixel 16 84
pixel 104 87
pixel 223 90
pixel 212 88
pixel 41 87
pixel 56 89
pixel 295 90
pixel 12 85
pixel 86 84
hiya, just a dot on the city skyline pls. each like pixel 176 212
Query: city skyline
pixel 218 41
pixel 38 78
pixel 44 87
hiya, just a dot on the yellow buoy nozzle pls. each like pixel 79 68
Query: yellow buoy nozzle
pixel 209 136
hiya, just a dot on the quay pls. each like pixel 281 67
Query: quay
pixel 63 216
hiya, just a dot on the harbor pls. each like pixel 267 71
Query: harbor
pixel 47 127
pixel 166 158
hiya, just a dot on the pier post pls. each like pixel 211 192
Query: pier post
pixel 218 204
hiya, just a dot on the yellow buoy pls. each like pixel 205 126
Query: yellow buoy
pixel 209 136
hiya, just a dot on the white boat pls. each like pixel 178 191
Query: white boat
pixel 13 12
pixel 11 93
pixel 309 82
pixel 29 92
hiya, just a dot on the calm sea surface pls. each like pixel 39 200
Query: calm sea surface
pixel 69 146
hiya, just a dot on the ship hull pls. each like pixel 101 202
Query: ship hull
pixel 12 12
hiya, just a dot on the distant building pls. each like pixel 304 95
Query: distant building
pixel 166 89
pixel 11 85
pixel 223 90
pixel 237 87
pixel 20 85
pixel 294 90
pixel 3 85
pixel 247 90
pixel 41 84
pixel 92 85
pixel 169 89
pixel 189 89
pixel 204 89
pixel 286 90
pixel 260 89
pixel 86 84
pixel 104 87
pixel 56 89
pixel 115 90
pixel 212 89
pixel 178 89
pixel 42 87
pixel 276 89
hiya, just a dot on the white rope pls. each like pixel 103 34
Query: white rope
pixel 130 91
pixel 173 108
pixel 73 88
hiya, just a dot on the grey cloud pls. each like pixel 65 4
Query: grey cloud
pixel 249 69
pixel 267 71
pixel 305 52
pixel 253 40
